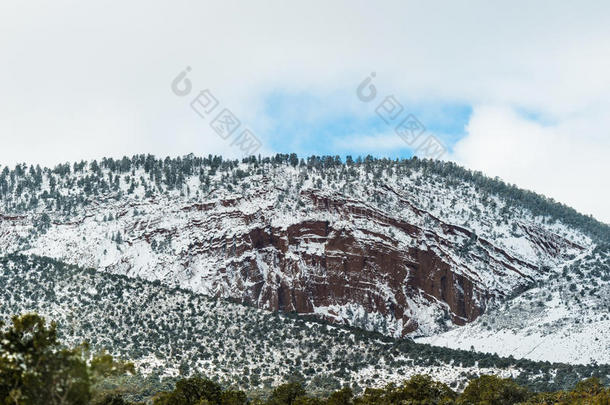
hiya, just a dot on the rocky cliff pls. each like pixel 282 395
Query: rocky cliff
pixel 400 256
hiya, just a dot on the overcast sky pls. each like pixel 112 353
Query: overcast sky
pixel 519 90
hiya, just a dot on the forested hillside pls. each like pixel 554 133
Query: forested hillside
pixel 172 332
pixel 36 368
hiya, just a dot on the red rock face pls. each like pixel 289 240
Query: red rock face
pixel 349 271
pixel 350 261
pixel 337 258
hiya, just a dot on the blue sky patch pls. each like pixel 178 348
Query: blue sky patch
pixel 310 124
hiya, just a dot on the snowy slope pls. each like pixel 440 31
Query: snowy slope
pixel 557 321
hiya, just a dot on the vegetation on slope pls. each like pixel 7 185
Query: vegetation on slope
pixel 67 188
pixel 174 332
pixel 36 369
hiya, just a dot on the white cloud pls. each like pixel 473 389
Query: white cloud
pixel 564 160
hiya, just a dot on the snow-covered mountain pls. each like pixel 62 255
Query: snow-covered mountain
pixel 409 247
